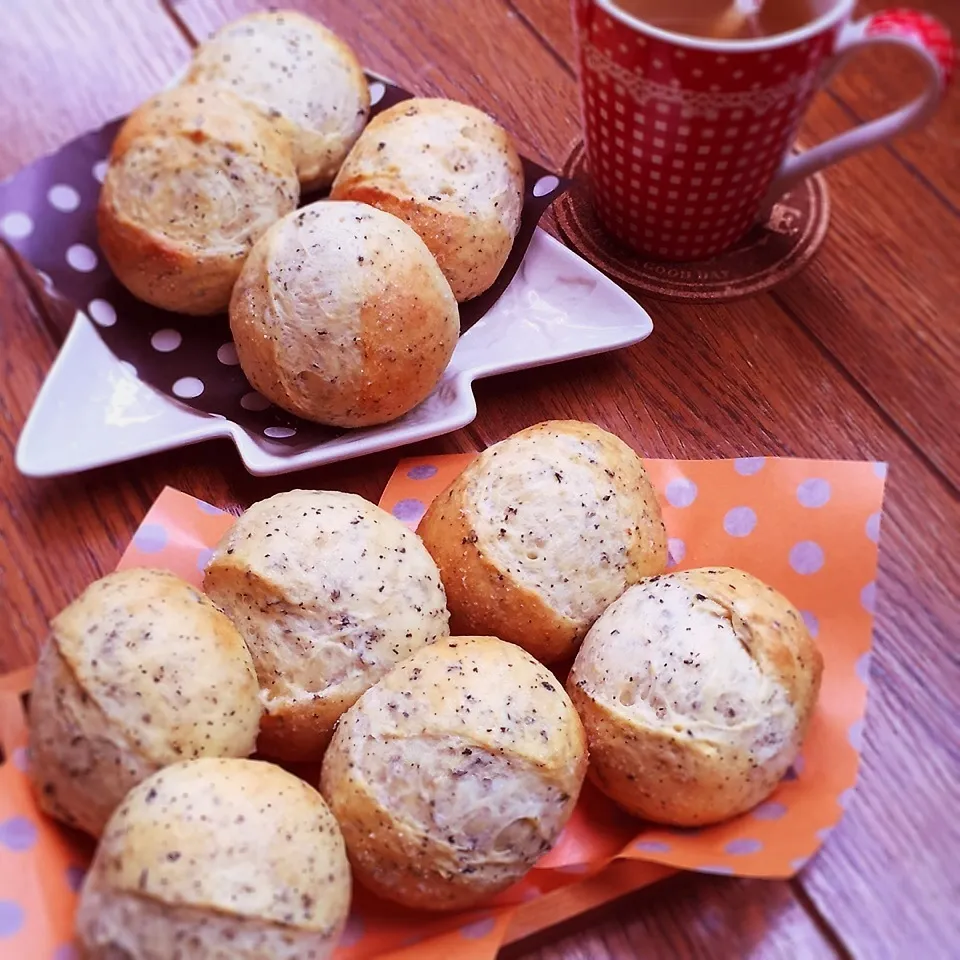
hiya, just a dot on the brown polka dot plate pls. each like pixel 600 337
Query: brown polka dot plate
pixel 132 379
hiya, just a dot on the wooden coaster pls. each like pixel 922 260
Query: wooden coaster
pixel 767 255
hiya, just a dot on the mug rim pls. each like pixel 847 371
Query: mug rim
pixel 841 10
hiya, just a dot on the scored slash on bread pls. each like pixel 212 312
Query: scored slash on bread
pixel 455 773
pixel 542 532
pixel 329 592
pixel 696 690
pixel 140 671
pixel 195 178
pixel 217 858
pixel 342 316
pixel 301 76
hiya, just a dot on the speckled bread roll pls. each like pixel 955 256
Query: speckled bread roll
pixel 217 860
pixel 302 76
pixel 329 592
pixel 542 532
pixel 696 689
pixel 194 178
pixel 140 671
pixel 342 316
pixel 455 773
pixel 453 174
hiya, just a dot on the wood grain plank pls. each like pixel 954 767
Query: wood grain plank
pixel 881 79
pixel 880 294
pixel 74 66
pixel 676 918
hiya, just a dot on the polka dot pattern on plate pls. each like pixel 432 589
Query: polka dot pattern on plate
pixel 280 433
pixel 203 558
pixel 681 492
pixel 81 258
pixel 50 206
pixel 227 355
pixel 872 527
pixel 166 340
pixel 102 312
pixel 188 387
pixel 868 597
pixel 545 185
pixel 66 951
pixel 254 401
pixel 811 622
pixel 63 197
pixel 739 521
pixel 16 225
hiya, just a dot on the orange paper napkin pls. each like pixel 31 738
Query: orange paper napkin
pixel 808 527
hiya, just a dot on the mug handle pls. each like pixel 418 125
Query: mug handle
pixel 928 39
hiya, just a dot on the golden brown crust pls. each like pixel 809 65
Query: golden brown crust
pixel 356 334
pixel 696 690
pixel 217 858
pixel 481 599
pixel 195 177
pixel 455 773
pixel 329 592
pixel 302 77
pixel 450 172
pixel 140 671
pixel 485 593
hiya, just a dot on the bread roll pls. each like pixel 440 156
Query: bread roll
pixel 453 174
pixel 455 773
pixel 542 532
pixel 342 316
pixel 140 671
pixel 301 76
pixel 696 689
pixel 329 593
pixel 194 178
pixel 217 860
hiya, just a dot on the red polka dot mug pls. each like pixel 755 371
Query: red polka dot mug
pixel 688 139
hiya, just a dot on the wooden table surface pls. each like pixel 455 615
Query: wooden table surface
pixel 857 357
